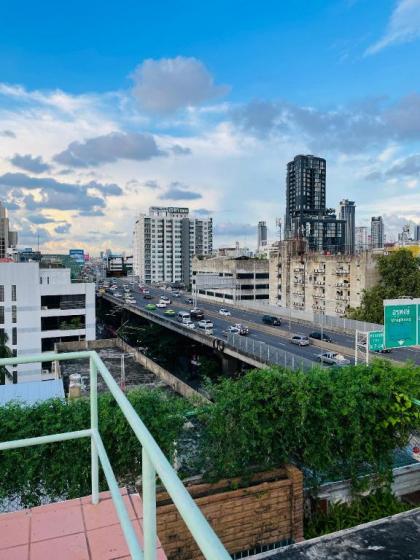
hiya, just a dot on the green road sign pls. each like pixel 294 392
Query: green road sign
pixel 400 323
pixel 376 341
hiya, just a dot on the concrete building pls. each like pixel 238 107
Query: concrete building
pixel 231 279
pixel 8 238
pixel 327 284
pixel 361 239
pixel 377 232
pixel 39 307
pixel 234 252
pixel 307 216
pixel 165 241
pixel 348 214
pixel 262 235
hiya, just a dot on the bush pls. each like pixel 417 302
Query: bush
pixel 62 470
pixel 344 515
pixel 337 423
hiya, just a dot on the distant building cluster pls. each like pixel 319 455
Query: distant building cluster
pixel 8 237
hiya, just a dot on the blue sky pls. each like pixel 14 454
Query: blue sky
pixel 107 108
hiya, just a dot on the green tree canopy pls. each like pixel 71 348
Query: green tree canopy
pixel 399 276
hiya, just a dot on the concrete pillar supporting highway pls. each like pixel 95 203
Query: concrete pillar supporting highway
pixel 230 366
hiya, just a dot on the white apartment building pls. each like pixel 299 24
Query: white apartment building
pixel 231 279
pixel 164 242
pixel 320 283
pixel 41 306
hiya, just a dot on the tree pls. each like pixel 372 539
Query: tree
pixel 399 276
pixel 4 353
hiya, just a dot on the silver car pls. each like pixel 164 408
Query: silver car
pixel 300 340
pixel 333 359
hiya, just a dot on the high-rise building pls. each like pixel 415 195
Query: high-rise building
pixel 8 238
pixel 347 213
pixel 307 216
pixel 262 235
pixel 377 232
pixel 361 239
pixel 164 242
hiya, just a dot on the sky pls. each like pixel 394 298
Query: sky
pixel 109 108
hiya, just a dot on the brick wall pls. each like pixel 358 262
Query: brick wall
pixel 268 510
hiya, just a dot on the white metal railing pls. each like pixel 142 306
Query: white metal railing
pixel 154 463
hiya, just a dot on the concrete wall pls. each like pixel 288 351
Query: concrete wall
pixel 268 510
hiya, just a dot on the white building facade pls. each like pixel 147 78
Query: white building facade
pixel 164 242
pixel 39 307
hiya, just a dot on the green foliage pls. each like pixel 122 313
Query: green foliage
pixel 337 423
pixel 360 510
pixel 399 276
pixel 63 469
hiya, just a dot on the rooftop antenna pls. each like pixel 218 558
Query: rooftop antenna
pixel 37 233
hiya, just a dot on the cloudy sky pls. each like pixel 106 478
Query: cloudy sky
pixel 108 108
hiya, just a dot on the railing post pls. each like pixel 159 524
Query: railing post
pixel 94 427
pixel 149 506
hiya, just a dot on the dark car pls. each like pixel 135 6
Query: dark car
pixel 196 314
pixel 188 300
pixel 319 336
pixel 270 320
pixel 147 296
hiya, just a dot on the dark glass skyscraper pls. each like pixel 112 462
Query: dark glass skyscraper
pixel 307 216
pixel 348 213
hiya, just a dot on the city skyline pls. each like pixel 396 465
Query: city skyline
pixel 88 144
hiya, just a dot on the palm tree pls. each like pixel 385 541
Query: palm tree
pixel 4 353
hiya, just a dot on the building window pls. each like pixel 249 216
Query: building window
pixel 14 336
pixel 13 293
pixel 14 314
pixel 1 314
pixel 1 293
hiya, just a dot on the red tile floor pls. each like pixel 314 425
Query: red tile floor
pixel 71 530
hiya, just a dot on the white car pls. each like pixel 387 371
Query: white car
pixel 117 294
pixel 233 330
pixel 333 358
pixel 189 324
pixel 130 300
pixel 224 312
pixel 165 298
pixel 161 304
pixel 205 324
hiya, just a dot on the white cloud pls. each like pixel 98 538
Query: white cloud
pixel 168 84
pixel 403 26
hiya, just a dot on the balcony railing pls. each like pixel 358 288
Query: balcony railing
pixel 154 463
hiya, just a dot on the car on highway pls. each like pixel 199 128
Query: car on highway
pixel 271 320
pixel 176 294
pixel 161 304
pixel 231 330
pixel 117 294
pixel 188 300
pixel 300 340
pixel 169 312
pixel 224 312
pixel 242 329
pixel 333 359
pixel 150 306
pixel 189 324
pixel 147 296
pixel 165 299
pixel 146 291
pixel 320 336
pixel 196 314
pixel 205 323
pixel 130 300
